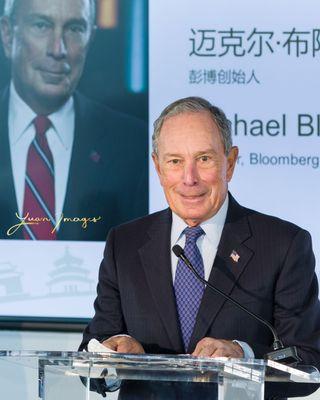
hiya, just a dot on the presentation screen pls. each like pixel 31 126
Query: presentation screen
pixel 73 144
pixel 259 62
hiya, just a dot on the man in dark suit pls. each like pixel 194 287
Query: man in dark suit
pixel 264 263
pixel 104 156
pixel 97 157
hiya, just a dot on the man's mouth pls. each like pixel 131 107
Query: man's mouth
pixel 54 72
pixel 53 76
pixel 58 69
pixel 192 197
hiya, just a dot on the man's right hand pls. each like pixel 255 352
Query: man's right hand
pixel 124 344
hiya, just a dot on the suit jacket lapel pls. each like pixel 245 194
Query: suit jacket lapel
pixel 8 202
pixel 78 157
pixel 155 257
pixel 225 271
pixel 81 172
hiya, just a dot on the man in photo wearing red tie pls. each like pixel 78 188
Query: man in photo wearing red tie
pixel 62 155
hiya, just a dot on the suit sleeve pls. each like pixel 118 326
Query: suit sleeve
pixel 296 304
pixel 108 319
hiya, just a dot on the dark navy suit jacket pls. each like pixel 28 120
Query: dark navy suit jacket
pixel 107 176
pixel 274 277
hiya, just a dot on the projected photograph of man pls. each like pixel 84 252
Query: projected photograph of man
pixel 73 117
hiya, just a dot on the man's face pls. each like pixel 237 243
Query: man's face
pixel 192 166
pixel 47 45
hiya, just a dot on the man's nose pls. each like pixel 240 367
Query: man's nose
pixel 190 173
pixel 57 46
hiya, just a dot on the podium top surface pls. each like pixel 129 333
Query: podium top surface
pixel 161 367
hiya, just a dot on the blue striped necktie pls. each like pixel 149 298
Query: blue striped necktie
pixel 188 290
pixel 39 194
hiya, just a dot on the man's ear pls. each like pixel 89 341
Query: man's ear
pixel 232 160
pixel 6 30
pixel 156 162
pixel 93 33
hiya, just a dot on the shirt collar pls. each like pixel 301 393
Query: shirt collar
pixel 21 117
pixel 62 119
pixel 212 227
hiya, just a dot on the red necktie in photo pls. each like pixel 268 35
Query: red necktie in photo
pixel 39 195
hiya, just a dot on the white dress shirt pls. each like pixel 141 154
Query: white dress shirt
pixel 60 139
pixel 208 245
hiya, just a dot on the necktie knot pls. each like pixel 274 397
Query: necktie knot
pixel 42 124
pixel 193 233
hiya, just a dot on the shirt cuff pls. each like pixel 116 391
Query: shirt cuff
pixel 247 350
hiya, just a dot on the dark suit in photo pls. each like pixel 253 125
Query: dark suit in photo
pixel 107 178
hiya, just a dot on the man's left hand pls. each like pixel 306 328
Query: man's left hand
pixel 124 344
pixel 209 347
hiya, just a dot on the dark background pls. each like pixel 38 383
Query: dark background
pixel 105 75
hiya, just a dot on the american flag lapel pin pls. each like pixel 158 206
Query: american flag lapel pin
pixel 234 256
pixel 95 156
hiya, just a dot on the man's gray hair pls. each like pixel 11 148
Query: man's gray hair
pixel 10 8
pixel 194 105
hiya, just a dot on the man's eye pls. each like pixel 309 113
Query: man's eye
pixel 174 161
pixel 40 26
pixel 76 28
pixel 204 158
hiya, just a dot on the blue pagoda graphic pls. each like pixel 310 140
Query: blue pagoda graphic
pixel 69 277
pixel 10 282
